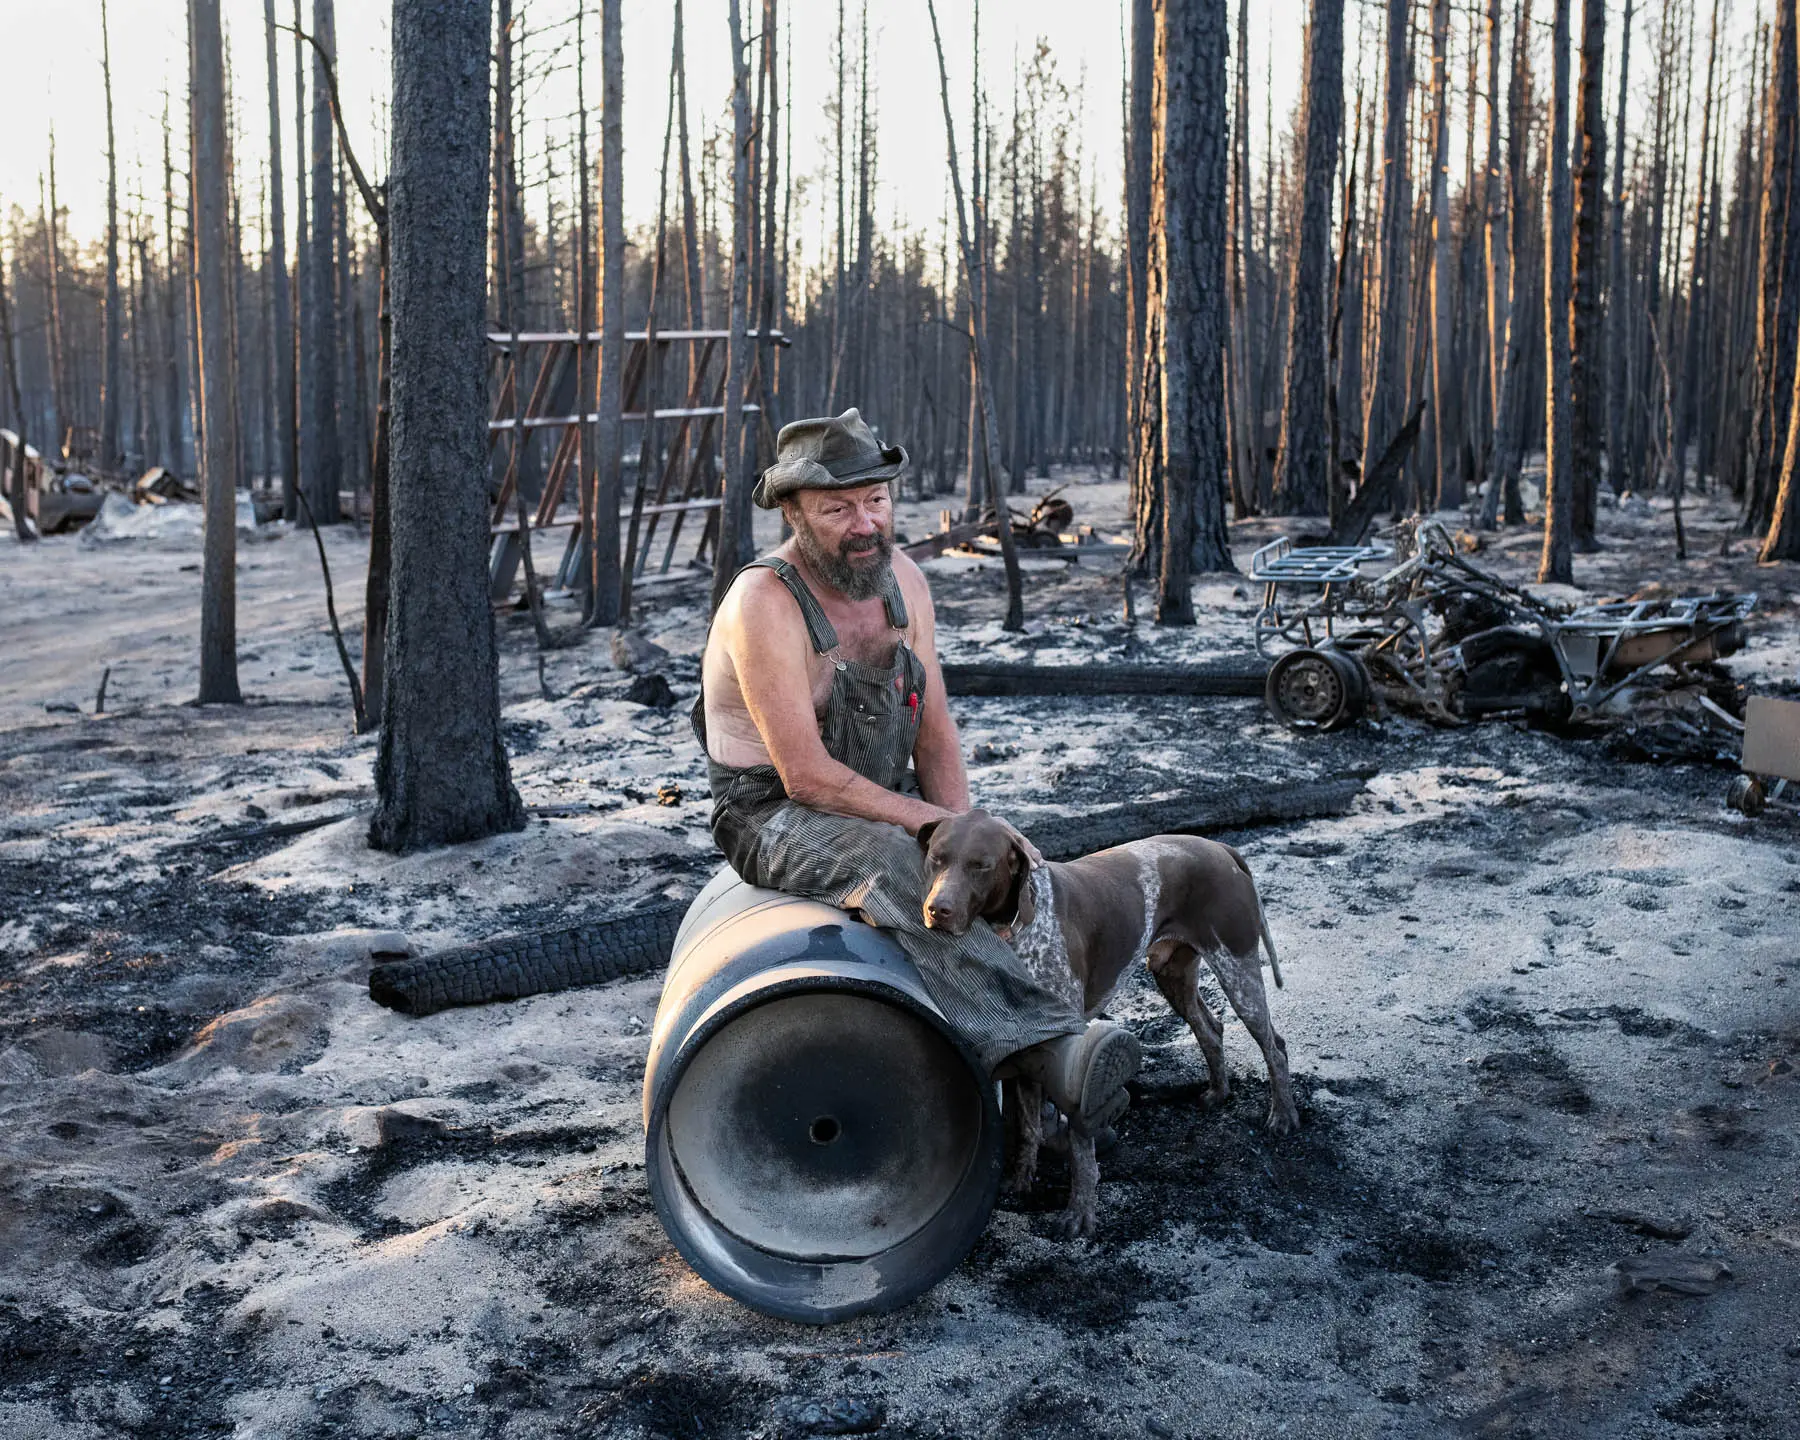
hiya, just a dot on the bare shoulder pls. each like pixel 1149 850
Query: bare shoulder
pixel 915 589
pixel 758 607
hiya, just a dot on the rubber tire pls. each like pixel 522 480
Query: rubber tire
pixel 1342 714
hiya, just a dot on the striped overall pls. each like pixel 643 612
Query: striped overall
pixel 870 725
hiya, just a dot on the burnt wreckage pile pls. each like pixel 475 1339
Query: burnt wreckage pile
pixel 1436 636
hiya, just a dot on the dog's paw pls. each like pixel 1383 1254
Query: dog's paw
pixel 1018 1183
pixel 1216 1096
pixel 1283 1119
pixel 1075 1223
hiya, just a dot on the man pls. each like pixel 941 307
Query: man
pixel 830 744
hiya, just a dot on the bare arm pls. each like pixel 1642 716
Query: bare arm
pixel 765 637
pixel 937 753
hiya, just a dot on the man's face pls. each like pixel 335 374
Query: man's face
pixel 845 536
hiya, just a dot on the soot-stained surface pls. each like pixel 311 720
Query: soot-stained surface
pixel 1540 1009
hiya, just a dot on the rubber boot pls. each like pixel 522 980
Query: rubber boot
pixel 1085 1074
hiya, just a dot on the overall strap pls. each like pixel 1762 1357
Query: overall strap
pixel 892 601
pixel 820 631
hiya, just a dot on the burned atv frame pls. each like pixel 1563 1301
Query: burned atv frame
pixel 1440 637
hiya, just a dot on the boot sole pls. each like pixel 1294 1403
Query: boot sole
pixel 1114 1060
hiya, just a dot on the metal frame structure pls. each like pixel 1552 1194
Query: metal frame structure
pixel 1320 600
pixel 687 483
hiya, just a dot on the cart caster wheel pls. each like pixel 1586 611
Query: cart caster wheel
pixel 1747 796
pixel 1315 689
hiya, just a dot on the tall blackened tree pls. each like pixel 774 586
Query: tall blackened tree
pixel 1388 394
pixel 112 449
pixel 1587 378
pixel 736 542
pixel 320 451
pixel 1188 215
pixel 441 774
pixel 1559 478
pixel 281 312
pixel 608 429
pixel 1303 470
pixel 218 409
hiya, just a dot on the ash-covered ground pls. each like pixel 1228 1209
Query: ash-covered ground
pixel 1542 1004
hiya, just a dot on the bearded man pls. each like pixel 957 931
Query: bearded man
pixel 829 745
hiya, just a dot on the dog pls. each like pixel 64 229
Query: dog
pixel 1171 901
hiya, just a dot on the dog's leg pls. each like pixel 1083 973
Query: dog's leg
pixel 1025 1107
pixel 1240 977
pixel 1176 968
pixel 1082 1213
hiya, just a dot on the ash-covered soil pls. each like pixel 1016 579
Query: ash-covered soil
pixel 1542 1007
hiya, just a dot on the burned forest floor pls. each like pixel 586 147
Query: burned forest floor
pixel 1542 1005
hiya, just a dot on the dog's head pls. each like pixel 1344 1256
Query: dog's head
pixel 976 870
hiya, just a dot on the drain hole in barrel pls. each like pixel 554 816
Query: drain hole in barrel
pixel 824 1130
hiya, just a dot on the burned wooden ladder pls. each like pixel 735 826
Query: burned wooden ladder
pixel 688 480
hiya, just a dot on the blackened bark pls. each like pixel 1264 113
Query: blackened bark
pixel 1188 216
pixel 323 462
pixel 112 448
pixel 441 774
pixel 1387 396
pixel 736 518
pixel 1145 442
pixel 218 576
pixel 1303 471
pixel 1509 409
pixel 1559 478
pixel 23 527
pixel 1447 491
pixel 1618 283
pixel 609 429
pixel 1779 303
pixel 281 303
pixel 1587 377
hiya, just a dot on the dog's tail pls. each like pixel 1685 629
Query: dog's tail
pixel 1262 920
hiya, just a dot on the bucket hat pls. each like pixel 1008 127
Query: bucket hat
pixel 832 452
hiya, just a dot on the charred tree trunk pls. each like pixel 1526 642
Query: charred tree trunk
pixel 281 303
pixel 1510 409
pixel 736 517
pixel 989 440
pixel 1144 397
pixel 324 462
pixel 1618 283
pixel 218 581
pixel 609 429
pixel 1188 215
pixel 1779 307
pixel 1447 490
pixel 1305 463
pixel 112 447
pixel 1586 374
pixel 1388 395
pixel 441 774
pixel 1559 478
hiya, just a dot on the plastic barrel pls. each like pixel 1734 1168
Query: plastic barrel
pixel 819 1144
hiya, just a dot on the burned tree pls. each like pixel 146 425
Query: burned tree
pixel 1388 396
pixel 281 315
pixel 320 453
pixel 218 409
pixel 1587 380
pixel 441 774
pixel 1559 475
pixel 1187 237
pixel 736 544
pixel 112 449
pixel 608 429
pixel 1305 463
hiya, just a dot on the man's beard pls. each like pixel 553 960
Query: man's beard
pixel 835 568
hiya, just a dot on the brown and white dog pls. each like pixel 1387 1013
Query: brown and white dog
pixel 1171 901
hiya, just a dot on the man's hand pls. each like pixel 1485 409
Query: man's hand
pixel 1033 857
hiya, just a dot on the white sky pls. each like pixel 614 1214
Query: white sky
pixel 1085 36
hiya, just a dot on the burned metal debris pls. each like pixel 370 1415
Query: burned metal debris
pixel 1434 635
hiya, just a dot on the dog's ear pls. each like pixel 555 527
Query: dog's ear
pixel 1024 906
pixel 926 831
